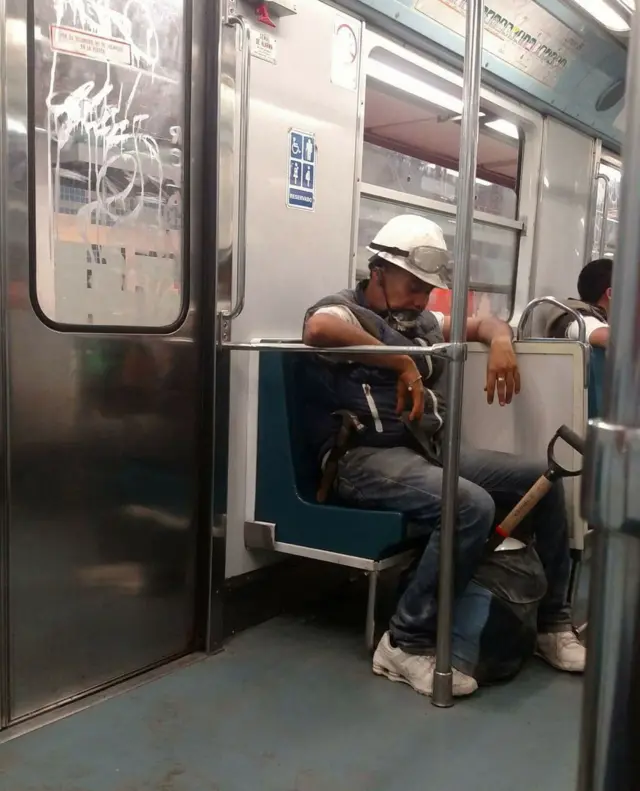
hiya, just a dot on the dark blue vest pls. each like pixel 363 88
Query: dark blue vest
pixel 333 383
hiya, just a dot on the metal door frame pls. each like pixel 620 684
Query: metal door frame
pixel 205 120
pixel 4 631
pixel 14 235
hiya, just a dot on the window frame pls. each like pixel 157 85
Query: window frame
pixel 185 231
pixel 530 125
pixel 612 162
pixel 475 286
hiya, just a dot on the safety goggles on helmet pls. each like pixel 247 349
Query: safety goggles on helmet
pixel 430 264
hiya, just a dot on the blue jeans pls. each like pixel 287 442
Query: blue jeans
pixel 399 479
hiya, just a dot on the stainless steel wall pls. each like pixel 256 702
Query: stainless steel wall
pixel 100 285
pixel 308 82
pixel 567 169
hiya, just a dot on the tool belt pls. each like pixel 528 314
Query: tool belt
pixel 349 427
pixel 347 438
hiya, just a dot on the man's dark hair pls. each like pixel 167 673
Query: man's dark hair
pixel 595 279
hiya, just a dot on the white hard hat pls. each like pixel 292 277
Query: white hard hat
pixel 417 245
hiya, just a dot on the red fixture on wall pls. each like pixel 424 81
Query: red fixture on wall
pixel 262 15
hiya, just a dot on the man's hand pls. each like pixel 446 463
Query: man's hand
pixel 502 368
pixel 410 384
pixel 502 371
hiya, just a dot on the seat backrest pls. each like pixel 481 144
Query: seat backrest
pixel 281 426
pixel 537 329
pixel 305 462
pixel 286 474
pixel 553 394
pixel 596 382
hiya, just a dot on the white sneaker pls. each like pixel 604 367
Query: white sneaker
pixel 563 651
pixel 415 670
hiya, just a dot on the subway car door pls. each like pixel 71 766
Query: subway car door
pixel 100 399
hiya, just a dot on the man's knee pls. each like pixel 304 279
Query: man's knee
pixel 528 472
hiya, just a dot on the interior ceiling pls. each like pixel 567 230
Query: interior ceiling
pixel 429 133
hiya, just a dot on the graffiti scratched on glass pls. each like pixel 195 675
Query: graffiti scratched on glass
pixel 112 166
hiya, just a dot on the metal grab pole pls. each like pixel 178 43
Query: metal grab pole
pixel 610 759
pixel 443 680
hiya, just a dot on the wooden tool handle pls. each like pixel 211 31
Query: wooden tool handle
pixel 529 501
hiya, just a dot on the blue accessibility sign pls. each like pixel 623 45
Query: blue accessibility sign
pixel 301 180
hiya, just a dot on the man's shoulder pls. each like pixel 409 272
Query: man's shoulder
pixel 432 318
pixel 345 297
pixel 586 308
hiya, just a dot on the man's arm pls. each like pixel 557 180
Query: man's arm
pixel 597 332
pixel 502 366
pixel 600 337
pixel 484 330
pixel 327 330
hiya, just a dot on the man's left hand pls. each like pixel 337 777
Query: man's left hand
pixel 502 371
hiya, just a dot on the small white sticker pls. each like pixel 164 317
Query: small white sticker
pixel 87 45
pixel 344 55
pixel 264 47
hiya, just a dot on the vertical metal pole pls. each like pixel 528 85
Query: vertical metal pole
pixel 610 759
pixel 370 629
pixel 6 145
pixel 442 687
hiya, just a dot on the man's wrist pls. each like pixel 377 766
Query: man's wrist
pixel 502 339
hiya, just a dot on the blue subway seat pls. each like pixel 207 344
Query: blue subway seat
pixel 288 475
pixel 596 381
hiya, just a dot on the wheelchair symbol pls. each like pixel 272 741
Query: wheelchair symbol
pixel 296 145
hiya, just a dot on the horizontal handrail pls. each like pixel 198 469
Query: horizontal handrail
pixel 437 350
pixel 445 350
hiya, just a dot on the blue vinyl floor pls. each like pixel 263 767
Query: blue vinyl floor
pixel 292 705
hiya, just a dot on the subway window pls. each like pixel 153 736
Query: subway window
pixel 108 182
pixel 605 227
pixel 410 165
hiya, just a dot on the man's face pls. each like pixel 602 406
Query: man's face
pixel 404 292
